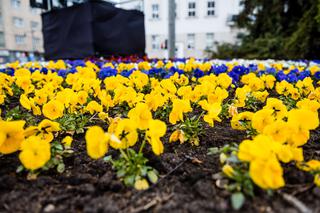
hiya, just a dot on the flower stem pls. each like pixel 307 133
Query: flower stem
pixel 202 113
pixel 142 145
pixel 124 155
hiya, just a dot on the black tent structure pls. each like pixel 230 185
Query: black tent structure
pixel 93 28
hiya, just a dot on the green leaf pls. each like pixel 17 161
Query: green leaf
pixel 248 186
pixel 55 161
pixel 58 147
pixel 79 131
pixel 107 158
pixel 46 167
pixel 121 173
pixel 19 169
pixel 129 180
pixel 225 149
pixel 233 159
pixel 61 167
pixel 213 151
pixel 143 171
pixel 132 152
pixel 152 176
pixel 237 200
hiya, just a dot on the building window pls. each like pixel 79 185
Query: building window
pixel 191 9
pixel 155 42
pixel 191 41
pixel 15 3
pixel 35 11
pixel 231 20
pixel 155 11
pixel 211 8
pixel 17 22
pixel 209 40
pixel 20 39
pixel 35 43
pixel 2 42
pixel 34 24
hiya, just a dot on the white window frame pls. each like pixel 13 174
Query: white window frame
pixel 35 11
pixel 155 42
pixel 34 24
pixel 20 39
pixel 191 41
pixel 211 8
pixel 192 9
pixel 35 42
pixel 18 22
pixel 155 11
pixel 209 40
pixel 15 4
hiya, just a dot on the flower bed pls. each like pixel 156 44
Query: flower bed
pixel 252 124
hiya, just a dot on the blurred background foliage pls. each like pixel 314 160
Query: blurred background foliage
pixel 279 29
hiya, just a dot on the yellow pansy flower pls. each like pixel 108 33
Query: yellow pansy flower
pixel 53 109
pixel 97 142
pixel 11 136
pixel 35 153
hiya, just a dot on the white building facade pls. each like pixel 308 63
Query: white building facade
pixel 200 25
pixel 20 31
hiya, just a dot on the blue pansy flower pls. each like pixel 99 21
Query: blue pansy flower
pixel 291 78
pixel 62 73
pixel 280 76
pixel 295 71
pixel 253 67
pixel 145 72
pixel 99 64
pixel 72 70
pixel 154 71
pixel 219 69
pixel 168 75
pixel 271 71
pixel 240 70
pixel 163 73
pixel 32 69
pixel 198 73
pixel 174 70
pixel 235 77
pixel 182 60
pixel 154 60
pixel 78 63
pixel 44 70
pixel 304 74
pixel 107 72
pixel 262 72
pixel 10 71
pixel 126 73
pixel 317 75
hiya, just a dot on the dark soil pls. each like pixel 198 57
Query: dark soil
pixel 186 183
